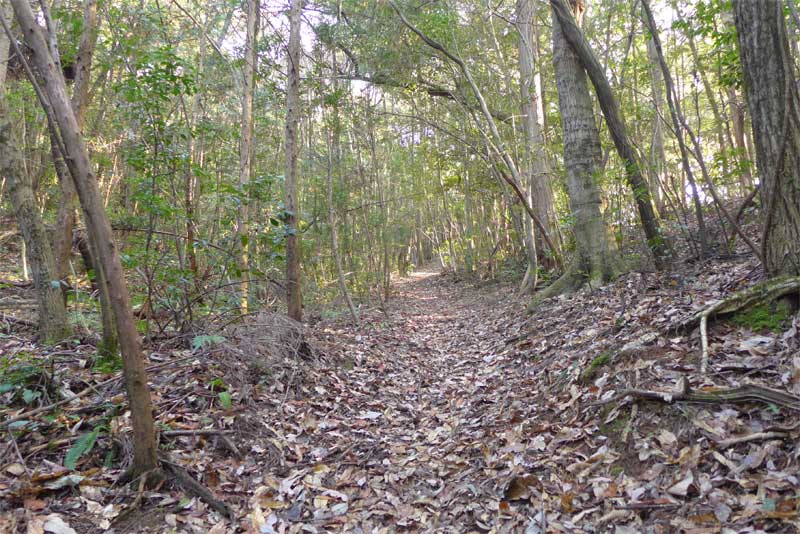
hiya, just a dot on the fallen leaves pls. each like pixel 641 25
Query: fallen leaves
pixel 461 412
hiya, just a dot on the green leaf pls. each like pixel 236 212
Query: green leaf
pixel 84 444
pixel 200 342
pixel 29 395
pixel 16 425
pixel 225 399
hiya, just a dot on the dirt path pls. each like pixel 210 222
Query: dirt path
pixel 407 438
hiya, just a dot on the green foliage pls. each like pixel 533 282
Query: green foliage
pixel 81 447
pixel 21 376
pixel 202 342
pixel 107 363
pixel 225 399
pixel 595 365
pixel 217 385
pixel 768 316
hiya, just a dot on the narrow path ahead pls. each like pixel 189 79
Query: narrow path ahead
pixel 421 434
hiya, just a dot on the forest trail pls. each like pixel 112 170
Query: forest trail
pixel 408 437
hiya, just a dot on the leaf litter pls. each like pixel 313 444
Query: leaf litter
pixel 453 412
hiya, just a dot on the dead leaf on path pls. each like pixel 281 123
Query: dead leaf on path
pixel 757 346
pixel 519 488
pixel 54 524
pixel 681 488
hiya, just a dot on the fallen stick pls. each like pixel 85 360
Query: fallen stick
pixel 756 436
pixel 198 432
pixel 13 320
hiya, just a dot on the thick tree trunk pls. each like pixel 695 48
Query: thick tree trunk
pixel 608 104
pixel 53 325
pixel 596 255
pixel 774 105
pixel 294 297
pixel 52 312
pixel 246 153
pixel 77 156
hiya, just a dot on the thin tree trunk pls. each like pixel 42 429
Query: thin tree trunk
pixel 498 147
pixel 65 220
pixel 145 458
pixel 62 241
pixel 540 190
pixel 657 154
pixel 743 156
pixel 678 120
pixel 294 298
pixel 246 154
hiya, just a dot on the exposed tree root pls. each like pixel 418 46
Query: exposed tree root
pixel 185 481
pixel 574 278
pixel 748 393
pixel 761 293
pixel 568 282
pixel 182 480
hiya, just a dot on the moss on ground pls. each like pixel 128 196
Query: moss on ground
pixel 769 316
pixel 591 370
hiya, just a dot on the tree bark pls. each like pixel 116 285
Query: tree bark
pixel 538 168
pixel 65 221
pixel 246 153
pixel 596 255
pixel 608 104
pixel 658 156
pixel 145 457
pixel 53 325
pixel 62 240
pixel 774 104
pixel 294 297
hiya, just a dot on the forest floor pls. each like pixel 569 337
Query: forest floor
pixel 451 411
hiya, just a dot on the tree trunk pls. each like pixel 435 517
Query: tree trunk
pixel 742 155
pixel 657 155
pixel 537 162
pixel 62 241
pixel 145 457
pixel 774 105
pixel 65 221
pixel 52 312
pixel 294 297
pixel 246 153
pixel 596 255
pixel 335 165
pixel 678 121
pixel 608 104
pixel 514 178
